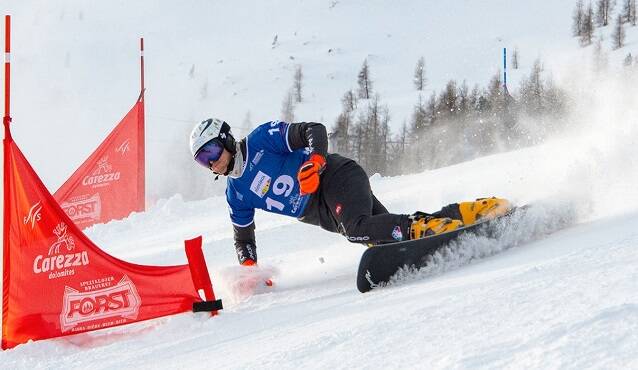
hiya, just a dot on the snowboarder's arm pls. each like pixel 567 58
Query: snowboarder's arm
pixel 314 136
pixel 242 216
pixel 311 135
pixel 245 243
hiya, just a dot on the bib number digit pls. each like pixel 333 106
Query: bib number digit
pixel 283 185
pixel 270 203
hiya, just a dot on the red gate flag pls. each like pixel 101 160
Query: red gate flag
pixel 109 185
pixel 57 282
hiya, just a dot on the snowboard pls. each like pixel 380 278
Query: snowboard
pixel 379 263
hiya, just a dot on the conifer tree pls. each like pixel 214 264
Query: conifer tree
pixel 342 128
pixel 629 12
pixel 587 32
pixel 626 10
pixel 515 58
pixel 431 108
pixel 578 19
pixel 618 37
pixel 419 116
pixel 604 9
pixel 341 135
pixel 364 81
pixel 349 101
pixel 288 106
pixel 627 62
pixel 419 75
pixel 532 90
pixel 463 100
pixel 447 100
pixel 298 83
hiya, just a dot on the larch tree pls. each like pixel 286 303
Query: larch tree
pixel 419 75
pixel 578 19
pixel 515 58
pixel 297 84
pixel 364 81
pixel 618 36
pixel 603 11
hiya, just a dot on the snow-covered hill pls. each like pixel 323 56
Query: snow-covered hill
pixel 76 66
pixel 565 300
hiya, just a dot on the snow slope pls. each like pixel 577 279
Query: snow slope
pixel 565 300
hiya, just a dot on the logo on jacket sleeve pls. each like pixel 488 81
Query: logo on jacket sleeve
pixel 257 158
pixel 261 184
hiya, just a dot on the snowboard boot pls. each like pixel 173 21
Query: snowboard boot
pixel 425 225
pixel 483 208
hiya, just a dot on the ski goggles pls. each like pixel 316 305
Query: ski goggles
pixel 211 151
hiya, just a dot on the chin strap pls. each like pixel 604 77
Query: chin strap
pixel 235 166
pixel 231 165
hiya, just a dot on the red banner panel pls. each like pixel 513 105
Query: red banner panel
pixel 56 281
pixel 109 185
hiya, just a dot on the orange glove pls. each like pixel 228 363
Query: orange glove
pixel 308 175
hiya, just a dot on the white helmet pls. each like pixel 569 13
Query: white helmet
pixel 209 129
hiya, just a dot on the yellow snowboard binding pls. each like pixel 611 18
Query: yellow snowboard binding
pixel 427 226
pixel 483 208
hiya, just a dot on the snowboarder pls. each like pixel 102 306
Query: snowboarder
pixel 285 168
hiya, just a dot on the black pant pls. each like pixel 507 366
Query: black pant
pixel 344 203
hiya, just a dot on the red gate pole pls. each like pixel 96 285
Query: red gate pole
pixel 142 67
pixel 6 161
pixel 141 151
pixel 7 73
pixel 200 275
